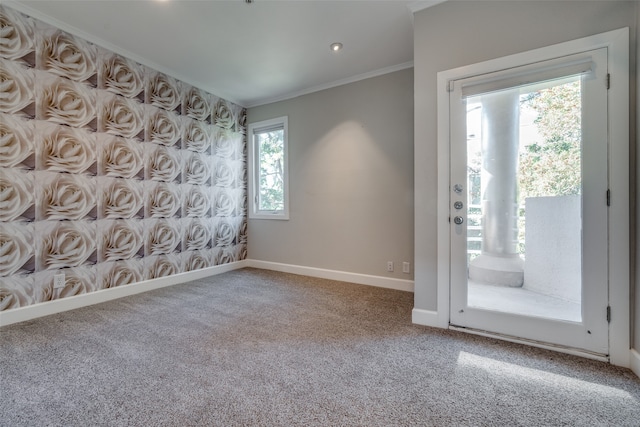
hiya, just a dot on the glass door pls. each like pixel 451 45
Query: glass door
pixel 529 202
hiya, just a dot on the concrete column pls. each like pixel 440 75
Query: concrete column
pixel 499 263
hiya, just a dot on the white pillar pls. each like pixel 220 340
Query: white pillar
pixel 499 262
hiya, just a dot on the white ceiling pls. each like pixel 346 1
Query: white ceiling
pixel 250 54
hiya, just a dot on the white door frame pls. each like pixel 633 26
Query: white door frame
pixel 617 42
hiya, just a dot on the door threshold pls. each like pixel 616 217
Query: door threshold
pixel 533 343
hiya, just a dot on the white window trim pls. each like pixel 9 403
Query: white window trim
pixel 254 212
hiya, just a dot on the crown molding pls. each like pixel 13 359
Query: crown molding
pixel 318 88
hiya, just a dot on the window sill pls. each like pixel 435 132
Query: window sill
pixel 275 216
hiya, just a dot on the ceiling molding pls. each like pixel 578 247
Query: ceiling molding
pixel 115 49
pixel 243 96
pixel 419 5
pixel 353 79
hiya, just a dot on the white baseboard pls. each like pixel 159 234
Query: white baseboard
pixel 343 276
pixel 635 361
pixel 57 306
pixel 425 318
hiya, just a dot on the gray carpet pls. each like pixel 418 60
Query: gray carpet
pixel 259 348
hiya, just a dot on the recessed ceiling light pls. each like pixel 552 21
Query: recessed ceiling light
pixel 335 47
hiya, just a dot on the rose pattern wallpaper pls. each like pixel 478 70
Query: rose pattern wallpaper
pixel 110 172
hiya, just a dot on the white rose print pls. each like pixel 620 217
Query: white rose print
pixel 196 136
pixel 78 281
pixel 65 149
pixel 224 146
pixel 62 54
pixel 17 149
pixel 241 121
pixel 65 196
pixel 243 149
pixel 196 236
pixel 197 203
pixel 223 116
pixel 163 164
pixel 216 254
pixel 224 174
pixel 43 288
pixel 224 204
pixel 162 91
pixel 161 266
pixel 196 169
pixel 110 172
pixel 162 200
pixel 120 158
pixel 65 244
pixel 241 173
pixel 161 237
pixel 121 76
pixel 242 231
pixel 196 105
pixel 225 234
pixel 162 127
pixel 121 199
pixel 239 145
pixel 195 261
pixel 120 116
pixel 17 195
pixel 120 273
pixel 62 101
pixel 17 41
pixel 16 89
pixel 16 292
pixel 241 201
pixel 119 240
pixel 17 253
pixel 240 252
pixel 227 256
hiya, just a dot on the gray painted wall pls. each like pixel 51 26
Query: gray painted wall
pixel 351 179
pixel 458 33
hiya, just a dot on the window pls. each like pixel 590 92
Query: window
pixel 268 171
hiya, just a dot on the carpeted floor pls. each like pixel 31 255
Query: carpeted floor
pixel 259 348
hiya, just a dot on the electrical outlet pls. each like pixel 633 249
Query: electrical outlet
pixel 58 281
pixel 406 267
pixel 389 266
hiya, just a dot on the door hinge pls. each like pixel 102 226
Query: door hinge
pixel 608 314
pixel 450 86
pixel 608 197
pixel 608 81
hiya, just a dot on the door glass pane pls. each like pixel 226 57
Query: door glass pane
pixel 524 181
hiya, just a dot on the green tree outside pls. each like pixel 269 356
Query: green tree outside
pixel 552 166
pixel 271 179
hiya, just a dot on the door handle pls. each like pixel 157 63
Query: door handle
pixel 458 220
